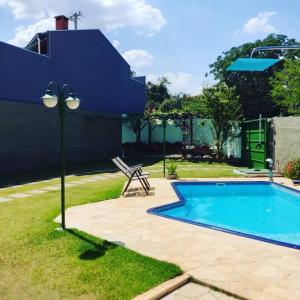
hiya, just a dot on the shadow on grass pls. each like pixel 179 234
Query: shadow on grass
pixel 98 249
pixel 96 167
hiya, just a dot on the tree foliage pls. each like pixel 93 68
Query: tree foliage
pixel 253 88
pixel 192 104
pixel 157 93
pixel 134 122
pixel 222 106
pixel 286 87
pixel 170 105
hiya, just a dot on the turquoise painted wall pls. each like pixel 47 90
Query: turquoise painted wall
pixel 201 131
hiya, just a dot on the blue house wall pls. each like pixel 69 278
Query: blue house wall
pixel 83 58
pixel 29 131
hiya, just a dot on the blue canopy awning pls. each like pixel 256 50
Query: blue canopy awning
pixel 252 64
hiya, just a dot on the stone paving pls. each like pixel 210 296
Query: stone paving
pixel 238 265
pixel 53 186
pixel 193 291
pixel 102 176
pixel 5 199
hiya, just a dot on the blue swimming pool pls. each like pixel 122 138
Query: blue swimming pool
pixel 261 210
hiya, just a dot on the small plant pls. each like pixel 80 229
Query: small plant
pixel 292 169
pixel 172 174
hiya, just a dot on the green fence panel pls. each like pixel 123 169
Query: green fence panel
pixel 255 143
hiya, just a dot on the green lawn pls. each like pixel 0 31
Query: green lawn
pixel 189 169
pixel 38 262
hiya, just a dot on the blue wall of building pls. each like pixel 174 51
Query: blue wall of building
pixel 85 59
pixel 23 74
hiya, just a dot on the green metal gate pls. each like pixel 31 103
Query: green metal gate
pixel 255 143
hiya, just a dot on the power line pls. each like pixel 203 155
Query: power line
pixel 92 23
pixel 74 18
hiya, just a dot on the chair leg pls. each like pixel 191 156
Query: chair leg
pixel 144 180
pixel 147 184
pixel 127 186
pixel 144 187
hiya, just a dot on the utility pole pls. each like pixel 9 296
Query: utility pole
pixel 74 18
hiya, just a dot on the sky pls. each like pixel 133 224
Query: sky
pixel 177 39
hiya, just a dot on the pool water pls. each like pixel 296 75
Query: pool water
pixel 262 210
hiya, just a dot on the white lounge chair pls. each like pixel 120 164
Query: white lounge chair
pixel 133 173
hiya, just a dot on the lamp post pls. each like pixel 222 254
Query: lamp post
pixel 164 147
pixel 50 100
pixel 163 122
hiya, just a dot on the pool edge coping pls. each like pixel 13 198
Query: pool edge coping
pixel 153 210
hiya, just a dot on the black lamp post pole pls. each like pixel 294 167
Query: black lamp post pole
pixel 164 146
pixel 62 109
pixel 50 100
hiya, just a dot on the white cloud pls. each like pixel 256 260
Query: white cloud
pixel 180 82
pixel 260 23
pixel 116 43
pixel 138 58
pixel 107 15
pixel 25 34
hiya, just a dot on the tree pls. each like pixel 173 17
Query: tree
pixel 157 93
pixel 286 87
pixel 222 106
pixel 135 123
pixel 170 105
pixel 253 88
pixel 192 104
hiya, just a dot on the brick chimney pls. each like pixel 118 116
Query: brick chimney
pixel 61 22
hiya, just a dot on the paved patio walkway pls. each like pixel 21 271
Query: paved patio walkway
pixel 73 180
pixel 193 291
pixel 242 266
pixel 52 185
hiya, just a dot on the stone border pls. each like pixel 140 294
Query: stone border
pixel 240 267
pixel 164 288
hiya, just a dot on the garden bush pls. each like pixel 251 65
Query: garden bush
pixel 292 169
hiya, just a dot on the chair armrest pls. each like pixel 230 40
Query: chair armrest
pixel 136 166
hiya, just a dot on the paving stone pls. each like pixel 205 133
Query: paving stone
pixel 3 199
pixel 52 188
pixel 97 177
pixel 242 266
pixel 207 297
pixel 171 296
pixel 19 195
pixel 88 180
pixel 196 291
pixel 101 178
pixel 71 184
pixel 37 192
pixel 221 296
pixel 78 182
pixel 110 175
pixel 192 290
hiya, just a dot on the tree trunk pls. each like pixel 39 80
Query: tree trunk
pixel 218 143
pixel 149 133
pixel 219 153
pixel 219 146
pixel 191 131
pixel 138 132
